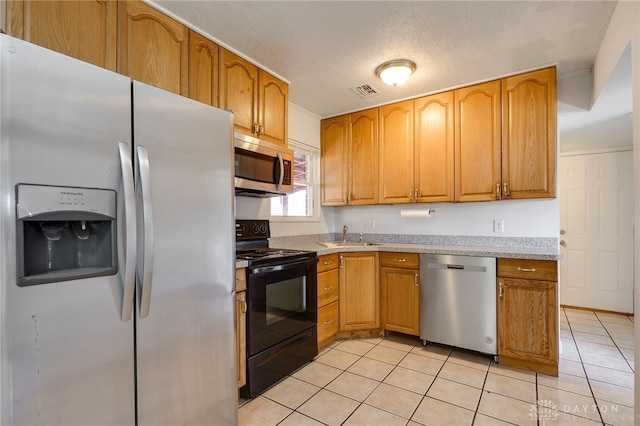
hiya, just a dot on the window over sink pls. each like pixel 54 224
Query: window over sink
pixel 302 204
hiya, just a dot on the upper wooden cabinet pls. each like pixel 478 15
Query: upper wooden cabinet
pixel 477 142
pixel 349 158
pixel 85 30
pixel 334 154
pixel 259 101
pixel 363 157
pixel 203 69
pixel 273 112
pixel 529 135
pixel 433 148
pixel 152 48
pixel 396 153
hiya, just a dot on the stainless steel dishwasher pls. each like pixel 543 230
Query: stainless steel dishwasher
pixel 458 301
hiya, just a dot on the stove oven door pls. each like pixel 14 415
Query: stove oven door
pixel 281 303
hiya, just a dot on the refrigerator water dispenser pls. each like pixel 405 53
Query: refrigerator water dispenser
pixel 64 233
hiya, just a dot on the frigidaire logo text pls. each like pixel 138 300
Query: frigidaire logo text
pixel 70 193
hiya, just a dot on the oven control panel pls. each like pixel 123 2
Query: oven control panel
pixel 252 229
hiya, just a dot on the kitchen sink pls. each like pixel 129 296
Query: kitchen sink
pixel 332 244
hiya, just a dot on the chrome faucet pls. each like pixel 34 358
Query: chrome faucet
pixel 345 228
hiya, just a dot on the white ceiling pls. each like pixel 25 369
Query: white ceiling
pixel 324 49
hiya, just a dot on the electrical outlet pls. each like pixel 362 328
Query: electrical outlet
pixel 369 224
pixel 498 225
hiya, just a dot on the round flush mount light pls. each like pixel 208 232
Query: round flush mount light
pixel 396 72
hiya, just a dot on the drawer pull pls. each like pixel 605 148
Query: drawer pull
pixel 500 291
pixel 526 269
pixel 328 288
pixel 327 262
pixel 400 260
pixel 328 322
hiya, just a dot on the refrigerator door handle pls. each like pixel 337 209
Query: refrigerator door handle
pixel 145 271
pixel 129 273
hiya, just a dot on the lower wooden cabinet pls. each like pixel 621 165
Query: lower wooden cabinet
pixel 241 326
pixel 327 299
pixel 528 314
pixel 400 282
pixel 359 292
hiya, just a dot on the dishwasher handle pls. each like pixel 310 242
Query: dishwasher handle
pixel 471 268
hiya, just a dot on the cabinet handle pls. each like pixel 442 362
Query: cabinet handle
pixel 254 128
pixel 526 269
pixel 411 195
pixel 243 299
pixel 344 198
pixel 328 322
pixel 416 280
pixel 328 288
pixel 500 290
pixel 341 262
pixel 327 262
pixel 260 130
pixel 416 195
pixel 498 190
pixel 400 260
pixel 505 189
pixel 349 198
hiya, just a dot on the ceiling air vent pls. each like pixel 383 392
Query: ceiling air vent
pixel 366 91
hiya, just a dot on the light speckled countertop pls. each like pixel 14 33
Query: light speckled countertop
pixel 514 248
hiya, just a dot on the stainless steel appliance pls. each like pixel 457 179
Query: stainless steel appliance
pixel 282 307
pixel 262 169
pixel 108 186
pixel 458 301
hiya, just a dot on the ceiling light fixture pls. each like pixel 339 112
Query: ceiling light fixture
pixel 396 72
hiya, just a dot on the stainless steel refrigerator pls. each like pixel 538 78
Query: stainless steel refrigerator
pixel 116 249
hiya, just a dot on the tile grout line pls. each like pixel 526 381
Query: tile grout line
pixel 615 343
pixel 584 369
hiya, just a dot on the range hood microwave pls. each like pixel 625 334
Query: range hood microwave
pixel 262 169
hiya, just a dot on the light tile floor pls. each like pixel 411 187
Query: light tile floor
pixel 396 381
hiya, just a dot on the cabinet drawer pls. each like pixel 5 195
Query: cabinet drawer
pixel 327 321
pixel 327 287
pixel 327 262
pixel 400 260
pixel 546 270
pixel 241 279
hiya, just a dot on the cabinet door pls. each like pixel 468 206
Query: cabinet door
pixel 401 300
pixel 434 161
pixel 239 91
pixel 152 48
pixel 273 99
pixel 360 291
pixel 84 30
pixel 241 336
pixel 396 153
pixel 529 135
pixel 203 69
pixel 528 324
pixel 477 142
pixel 334 160
pixel 363 157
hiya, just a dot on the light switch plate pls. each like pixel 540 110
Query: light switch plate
pixel 498 225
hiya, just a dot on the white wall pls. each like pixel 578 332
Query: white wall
pixel 624 28
pixel 522 218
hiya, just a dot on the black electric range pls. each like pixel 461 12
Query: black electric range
pixel 252 245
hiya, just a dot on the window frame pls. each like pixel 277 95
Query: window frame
pixel 314 184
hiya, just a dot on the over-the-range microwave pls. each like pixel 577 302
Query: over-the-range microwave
pixel 262 169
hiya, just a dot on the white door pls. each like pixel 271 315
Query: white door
pixel 596 227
